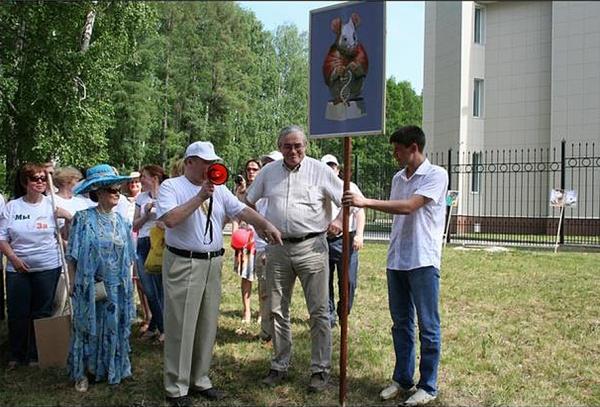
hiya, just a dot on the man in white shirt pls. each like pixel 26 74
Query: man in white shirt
pixel 417 201
pixel 356 222
pixel 193 209
pixel 299 191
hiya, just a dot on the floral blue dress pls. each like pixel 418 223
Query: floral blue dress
pixel 102 248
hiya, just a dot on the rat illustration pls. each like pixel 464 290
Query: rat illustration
pixel 346 63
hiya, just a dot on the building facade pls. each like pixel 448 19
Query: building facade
pixel 505 83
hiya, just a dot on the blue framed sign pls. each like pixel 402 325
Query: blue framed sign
pixel 347 70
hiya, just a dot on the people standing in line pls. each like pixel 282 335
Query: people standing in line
pixel 100 254
pixel 193 209
pixel 298 191
pixel 356 223
pixel 28 240
pixel 144 220
pixel 244 260
pixel 417 201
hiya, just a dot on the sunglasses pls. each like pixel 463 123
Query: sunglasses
pixel 110 190
pixel 37 178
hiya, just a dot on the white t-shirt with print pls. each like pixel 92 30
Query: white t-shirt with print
pixel 30 231
pixel 140 202
pixel 189 234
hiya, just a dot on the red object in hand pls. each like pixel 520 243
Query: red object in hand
pixel 217 174
pixel 239 238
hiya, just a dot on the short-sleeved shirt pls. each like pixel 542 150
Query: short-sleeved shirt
pixel 353 210
pixel 189 234
pixel 30 231
pixel 72 205
pixel 416 239
pixel 140 202
pixel 299 199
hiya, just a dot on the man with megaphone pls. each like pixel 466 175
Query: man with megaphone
pixel 193 208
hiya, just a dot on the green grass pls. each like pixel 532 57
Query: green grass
pixel 519 328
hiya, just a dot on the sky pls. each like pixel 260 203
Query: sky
pixel 404 31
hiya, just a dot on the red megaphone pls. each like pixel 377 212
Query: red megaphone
pixel 217 174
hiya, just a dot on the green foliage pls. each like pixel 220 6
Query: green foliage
pixel 157 76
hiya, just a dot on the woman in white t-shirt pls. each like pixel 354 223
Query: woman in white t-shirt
pixel 28 240
pixel 143 220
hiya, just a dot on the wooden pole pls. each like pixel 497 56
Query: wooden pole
pixel 560 218
pixel 345 264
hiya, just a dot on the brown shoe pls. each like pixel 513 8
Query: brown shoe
pixel 274 378
pixel 318 381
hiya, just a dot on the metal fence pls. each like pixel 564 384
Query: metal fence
pixel 504 195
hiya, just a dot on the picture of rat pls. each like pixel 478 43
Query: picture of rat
pixel 346 64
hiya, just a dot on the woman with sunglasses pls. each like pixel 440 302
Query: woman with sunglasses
pixel 101 252
pixel 28 240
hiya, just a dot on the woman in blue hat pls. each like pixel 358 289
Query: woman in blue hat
pixel 101 251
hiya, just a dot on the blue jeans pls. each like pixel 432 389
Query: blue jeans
pixel 410 290
pixel 29 296
pixel 335 261
pixel 152 285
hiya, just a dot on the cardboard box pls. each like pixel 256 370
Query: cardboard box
pixel 52 337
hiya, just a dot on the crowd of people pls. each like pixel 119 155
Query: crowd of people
pixel 285 210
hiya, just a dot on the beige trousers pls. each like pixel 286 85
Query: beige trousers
pixel 309 261
pixel 192 289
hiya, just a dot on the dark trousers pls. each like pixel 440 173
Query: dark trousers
pixel 29 296
pixel 152 286
pixel 335 262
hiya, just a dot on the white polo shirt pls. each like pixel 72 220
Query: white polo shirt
pixel 416 239
pixel 298 200
pixel 189 234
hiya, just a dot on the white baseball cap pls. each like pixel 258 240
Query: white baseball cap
pixel 202 149
pixel 328 158
pixel 273 155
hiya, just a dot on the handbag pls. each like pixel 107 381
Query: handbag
pixel 100 291
pixel 153 263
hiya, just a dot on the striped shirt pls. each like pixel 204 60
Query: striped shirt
pixel 298 200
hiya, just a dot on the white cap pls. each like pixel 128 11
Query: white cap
pixel 202 149
pixel 328 158
pixel 273 155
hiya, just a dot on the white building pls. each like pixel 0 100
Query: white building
pixel 503 75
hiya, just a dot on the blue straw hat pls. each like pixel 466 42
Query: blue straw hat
pixel 98 176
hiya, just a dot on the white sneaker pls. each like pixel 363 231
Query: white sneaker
pixel 394 389
pixel 421 397
pixel 82 385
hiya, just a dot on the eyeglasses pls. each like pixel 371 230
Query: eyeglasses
pixel 37 178
pixel 297 146
pixel 110 190
pixel 251 169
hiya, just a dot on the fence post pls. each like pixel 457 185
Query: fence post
pixel 563 176
pixel 449 208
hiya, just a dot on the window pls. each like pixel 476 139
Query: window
pixel 478 98
pixel 478 27
pixel 476 173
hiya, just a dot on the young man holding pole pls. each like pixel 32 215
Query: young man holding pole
pixel 417 201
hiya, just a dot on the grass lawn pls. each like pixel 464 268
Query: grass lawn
pixel 519 328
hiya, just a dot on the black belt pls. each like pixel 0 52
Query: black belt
pixel 336 238
pixel 195 255
pixel 301 238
